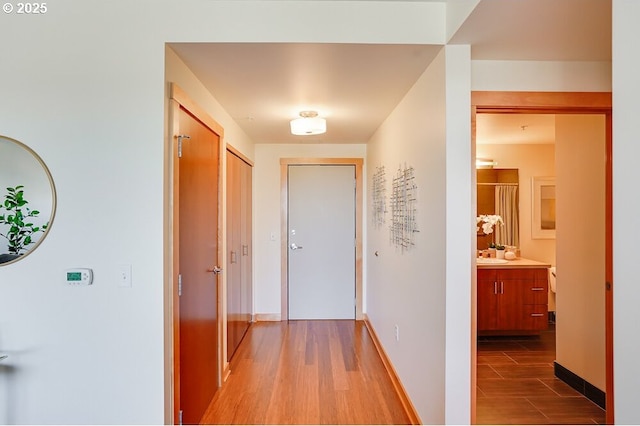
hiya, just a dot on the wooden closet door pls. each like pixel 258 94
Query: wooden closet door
pixel 239 248
pixel 233 249
pixel 198 254
pixel 246 293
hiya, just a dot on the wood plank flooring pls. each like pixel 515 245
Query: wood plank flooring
pixel 306 372
pixel 516 384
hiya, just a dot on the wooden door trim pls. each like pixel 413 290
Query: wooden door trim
pixel 239 154
pixel 284 216
pixel 179 99
pixel 561 103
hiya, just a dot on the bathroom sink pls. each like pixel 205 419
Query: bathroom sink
pixel 490 261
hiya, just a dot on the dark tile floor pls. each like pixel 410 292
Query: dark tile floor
pixel 516 384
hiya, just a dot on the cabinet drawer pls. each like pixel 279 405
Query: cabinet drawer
pixel 535 293
pixel 487 274
pixel 535 317
pixel 518 274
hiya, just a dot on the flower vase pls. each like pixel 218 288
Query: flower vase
pixel 500 254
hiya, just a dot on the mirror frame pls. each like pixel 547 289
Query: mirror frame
pixel 537 232
pixel 54 203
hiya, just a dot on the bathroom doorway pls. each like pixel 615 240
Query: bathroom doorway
pixel 565 105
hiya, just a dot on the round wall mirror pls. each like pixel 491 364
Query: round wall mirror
pixel 27 200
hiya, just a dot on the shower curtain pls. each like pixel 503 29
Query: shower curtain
pixel 507 208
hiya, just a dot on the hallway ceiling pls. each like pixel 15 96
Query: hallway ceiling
pixel 355 86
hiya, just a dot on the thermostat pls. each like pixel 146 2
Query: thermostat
pixel 79 276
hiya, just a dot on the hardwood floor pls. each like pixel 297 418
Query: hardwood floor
pixel 516 384
pixel 306 372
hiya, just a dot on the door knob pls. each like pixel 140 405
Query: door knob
pixel 216 270
pixel 293 246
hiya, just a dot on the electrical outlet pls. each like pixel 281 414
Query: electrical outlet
pixel 397 332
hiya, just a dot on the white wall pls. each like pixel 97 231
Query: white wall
pixel 541 76
pixel 267 202
pixel 408 289
pixel 84 86
pixel 580 245
pixel 626 209
pixel 460 239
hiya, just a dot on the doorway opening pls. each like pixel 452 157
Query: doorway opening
pixel 560 103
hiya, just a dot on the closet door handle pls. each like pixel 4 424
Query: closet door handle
pixel 501 287
pixel 537 288
pixel 216 270
pixel 537 315
pixel 495 287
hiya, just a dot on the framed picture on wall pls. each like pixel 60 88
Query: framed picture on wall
pixel 543 204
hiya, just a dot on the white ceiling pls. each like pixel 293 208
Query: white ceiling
pixel 356 86
pixel 515 129
pixel 538 30
pixel 265 85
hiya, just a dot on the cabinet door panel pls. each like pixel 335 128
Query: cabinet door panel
pixel 487 304
pixel 511 297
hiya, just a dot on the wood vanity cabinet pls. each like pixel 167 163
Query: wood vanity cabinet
pixel 512 300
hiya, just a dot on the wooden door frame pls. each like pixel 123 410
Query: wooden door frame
pixel 179 99
pixel 562 103
pixel 284 219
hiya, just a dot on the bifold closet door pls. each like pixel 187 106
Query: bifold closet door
pixel 239 283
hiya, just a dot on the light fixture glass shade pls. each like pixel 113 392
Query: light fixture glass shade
pixel 483 163
pixel 308 125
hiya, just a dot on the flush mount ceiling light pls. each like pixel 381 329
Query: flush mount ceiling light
pixel 308 124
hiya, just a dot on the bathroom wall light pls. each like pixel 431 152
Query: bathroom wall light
pixel 483 163
pixel 308 124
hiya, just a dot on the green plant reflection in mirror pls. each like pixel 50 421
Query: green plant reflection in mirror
pixel 27 200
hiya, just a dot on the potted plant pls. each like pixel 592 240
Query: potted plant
pixel 19 230
pixel 487 222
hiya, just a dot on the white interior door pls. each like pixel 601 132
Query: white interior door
pixel 321 241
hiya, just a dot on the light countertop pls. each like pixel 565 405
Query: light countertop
pixel 516 263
